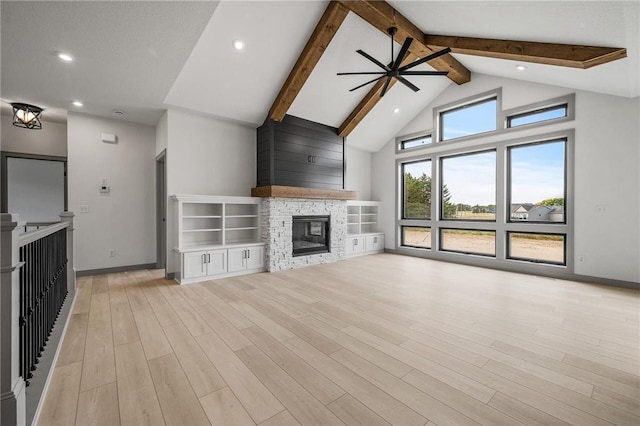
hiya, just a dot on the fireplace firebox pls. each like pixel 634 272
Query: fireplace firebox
pixel 311 235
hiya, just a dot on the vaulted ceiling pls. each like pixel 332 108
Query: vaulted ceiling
pixel 144 57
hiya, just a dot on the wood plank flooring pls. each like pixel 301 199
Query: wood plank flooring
pixel 374 340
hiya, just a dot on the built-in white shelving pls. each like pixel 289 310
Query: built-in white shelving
pixel 364 235
pixel 216 236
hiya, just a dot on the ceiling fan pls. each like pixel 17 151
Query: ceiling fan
pixel 394 70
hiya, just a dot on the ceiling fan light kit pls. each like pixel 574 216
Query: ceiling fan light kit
pixel 393 69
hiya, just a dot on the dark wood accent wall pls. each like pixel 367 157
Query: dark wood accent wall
pixel 298 152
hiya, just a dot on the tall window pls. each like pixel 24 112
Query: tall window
pixel 468 188
pixel 416 190
pixel 470 119
pixel 497 196
pixel 537 188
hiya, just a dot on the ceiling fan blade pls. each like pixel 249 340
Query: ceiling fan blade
pixel 425 59
pixel 424 73
pixel 408 83
pixel 372 59
pixel 402 53
pixel 368 82
pixel 361 73
pixel 385 87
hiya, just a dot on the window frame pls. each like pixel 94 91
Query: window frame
pixel 402 243
pixel 509 201
pixel 500 225
pixel 465 103
pixel 402 205
pixel 510 118
pixel 568 100
pixel 400 140
pixel 470 253
pixel 441 159
pixel 536 261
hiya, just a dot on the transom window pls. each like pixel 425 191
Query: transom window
pixel 538 115
pixel 470 119
pixel 416 142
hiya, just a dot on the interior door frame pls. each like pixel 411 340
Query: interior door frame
pixel 4 158
pixel 161 210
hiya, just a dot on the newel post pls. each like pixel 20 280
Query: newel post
pixel 12 385
pixel 71 270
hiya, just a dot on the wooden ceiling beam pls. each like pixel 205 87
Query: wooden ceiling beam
pixel 382 16
pixel 322 35
pixel 368 102
pixel 565 55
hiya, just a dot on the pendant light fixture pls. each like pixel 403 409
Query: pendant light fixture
pixel 26 116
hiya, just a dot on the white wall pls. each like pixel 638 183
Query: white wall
pixel 206 156
pixel 124 219
pixel 358 174
pixel 607 150
pixel 50 140
pixel 607 174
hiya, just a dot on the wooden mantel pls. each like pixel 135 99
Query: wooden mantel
pixel 277 191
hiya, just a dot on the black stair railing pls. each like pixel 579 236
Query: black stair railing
pixel 43 290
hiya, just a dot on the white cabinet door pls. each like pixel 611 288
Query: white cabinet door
pixel 195 265
pixel 236 260
pixel 355 245
pixel 375 242
pixel 255 257
pixel 217 262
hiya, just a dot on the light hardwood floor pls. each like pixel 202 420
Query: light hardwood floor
pixel 380 339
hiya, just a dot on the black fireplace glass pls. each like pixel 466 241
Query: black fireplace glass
pixel 311 235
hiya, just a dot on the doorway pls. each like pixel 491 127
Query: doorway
pixel 34 186
pixel 161 210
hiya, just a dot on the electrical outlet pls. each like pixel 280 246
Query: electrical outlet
pixel 601 208
pixel 84 209
pixel 581 259
pixel 112 252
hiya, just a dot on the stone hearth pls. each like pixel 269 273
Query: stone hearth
pixel 277 221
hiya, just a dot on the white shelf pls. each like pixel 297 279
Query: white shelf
pixel 212 221
pixel 362 217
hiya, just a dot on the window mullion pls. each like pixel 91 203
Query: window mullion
pixel 435 201
pixel 501 209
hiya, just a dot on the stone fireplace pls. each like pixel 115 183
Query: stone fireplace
pixel 277 217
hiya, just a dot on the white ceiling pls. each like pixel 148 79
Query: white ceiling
pixel 144 57
pixel 128 54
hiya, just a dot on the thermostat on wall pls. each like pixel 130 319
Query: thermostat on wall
pixel 109 138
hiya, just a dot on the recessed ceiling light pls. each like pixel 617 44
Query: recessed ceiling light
pixel 238 44
pixel 521 67
pixel 396 110
pixel 64 56
pixel 78 103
